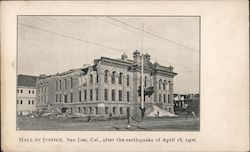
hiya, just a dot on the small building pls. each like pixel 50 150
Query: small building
pixel 108 87
pixel 26 94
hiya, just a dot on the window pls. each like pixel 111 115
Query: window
pixel 160 82
pixel 17 90
pixel 91 95
pixel 29 102
pixel 80 96
pixel 84 110
pixel 120 95
pixel 91 79
pixel 71 82
pixel 113 77
pixel 65 98
pixel 96 93
pixel 17 102
pixel 159 97
pixel 79 110
pixel 21 102
pixel 106 94
pixel 114 110
pixel 127 80
pixel 120 78
pixel 60 83
pixel 56 86
pixel 106 76
pixel 65 83
pixel 168 99
pixel 145 82
pixel 85 95
pixel 29 91
pixel 71 96
pixel 106 110
pixel 60 98
pixel 96 110
pixel 164 98
pixel 33 91
pixel 97 78
pixel 90 110
pixel 56 98
pixel 113 95
pixel 21 91
pixel 121 110
pixel 128 96
pixel 164 85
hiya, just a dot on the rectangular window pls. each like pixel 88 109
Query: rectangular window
pixel 168 99
pixel 21 102
pixel 127 80
pixel 71 82
pixel 106 110
pixel 97 79
pixel 159 97
pixel 85 95
pixel 71 96
pixel 164 98
pixel 65 83
pixel 80 96
pixel 56 86
pixel 121 110
pixel 96 93
pixel 113 95
pixel 60 98
pixel 29 91
pixel 106 94
pixel 91 95
pixel 21 91
pixel 128 96
pixel 56 98
pixel 65 98
pixel 60 83
pixel 113 110
pixel 120 95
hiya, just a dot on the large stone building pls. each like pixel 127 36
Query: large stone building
pixel 109 86
pixel 26 94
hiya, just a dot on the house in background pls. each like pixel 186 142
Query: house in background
pixel 26 94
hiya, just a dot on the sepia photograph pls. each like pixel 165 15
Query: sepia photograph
pixel 108 73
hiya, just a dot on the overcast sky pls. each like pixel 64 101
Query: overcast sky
pixel 51 44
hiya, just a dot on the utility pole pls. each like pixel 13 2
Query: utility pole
pixel 142 80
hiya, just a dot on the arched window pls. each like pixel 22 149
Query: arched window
pixel 113 77
pixel 91 78
pixel 164 85
pixel 160 82
pixel 120 78
pixel 106 76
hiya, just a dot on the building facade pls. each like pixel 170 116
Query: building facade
pixel 26 94
pixel 109 86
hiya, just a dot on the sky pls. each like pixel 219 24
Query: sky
pixel 51 44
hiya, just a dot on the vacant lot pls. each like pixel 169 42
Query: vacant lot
pixel 76 124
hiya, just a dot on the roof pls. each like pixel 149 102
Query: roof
pixel 26 80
